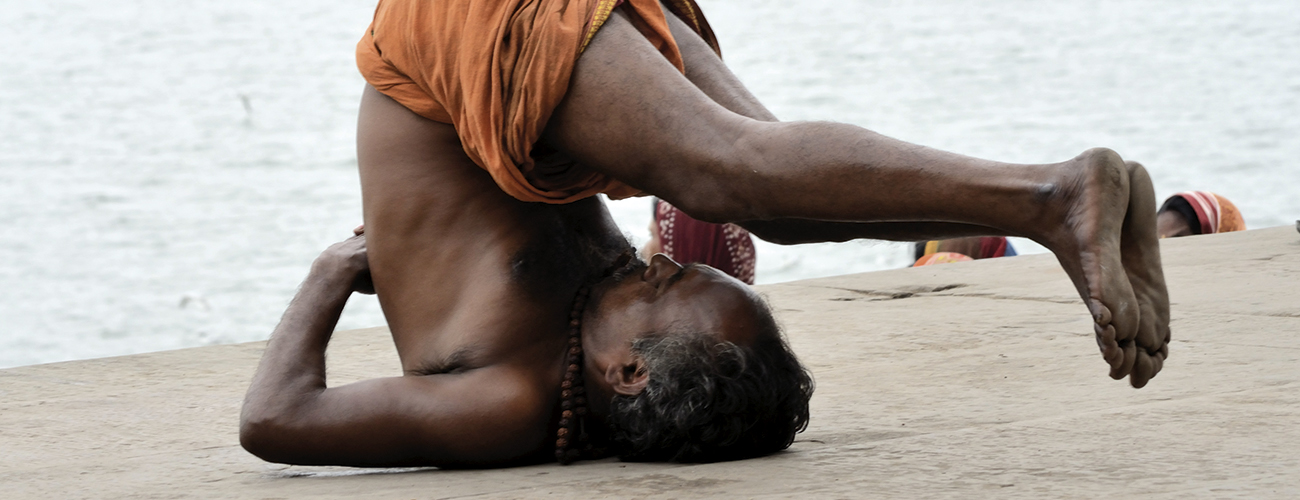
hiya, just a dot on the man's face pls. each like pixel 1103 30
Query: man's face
pixel 668 297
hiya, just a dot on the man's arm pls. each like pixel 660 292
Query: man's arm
pixel 485 416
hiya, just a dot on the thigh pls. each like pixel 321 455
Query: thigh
pixel 631 115
pixel 705 70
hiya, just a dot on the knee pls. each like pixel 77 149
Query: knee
pixel 729 183
pixel 776 232
pixel 718 206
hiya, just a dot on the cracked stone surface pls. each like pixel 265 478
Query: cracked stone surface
pixel 968 380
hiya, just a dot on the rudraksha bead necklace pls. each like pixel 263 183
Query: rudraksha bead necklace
pixel 573 392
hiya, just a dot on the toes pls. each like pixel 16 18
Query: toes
pixel 1148 334
pixel 1127 323
pixel 1100 313
pixel 1143 369
pixel 1105 336
pixel 1126 362
pixel 1110 350
pixel 1113 355
pixel 1156 361
pixel 1123 318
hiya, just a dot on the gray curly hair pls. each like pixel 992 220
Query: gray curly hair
pixel 709 401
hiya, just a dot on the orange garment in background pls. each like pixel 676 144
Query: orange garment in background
pixel 1214 213
pixel 496 69
pixel 1230 218
pixel 941 258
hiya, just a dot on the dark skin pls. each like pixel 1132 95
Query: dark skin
pixel 706 145
pixel 1171 224
pixel 477 286
pixel 482 347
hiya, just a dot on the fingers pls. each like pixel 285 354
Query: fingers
pixel 350 252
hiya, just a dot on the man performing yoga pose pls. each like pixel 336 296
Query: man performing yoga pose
pixel 525 327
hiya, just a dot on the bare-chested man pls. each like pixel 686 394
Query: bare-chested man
pixel 483 292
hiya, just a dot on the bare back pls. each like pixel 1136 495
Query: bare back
pixel 468 277
pixel 458 265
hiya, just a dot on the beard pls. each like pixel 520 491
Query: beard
pixel 633 266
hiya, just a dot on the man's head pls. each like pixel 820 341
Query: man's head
pixel 1176 218
pixel 1197 212
pixel 692 365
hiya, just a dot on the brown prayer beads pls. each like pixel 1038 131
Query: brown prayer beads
pixel 573 400
pixel 570 426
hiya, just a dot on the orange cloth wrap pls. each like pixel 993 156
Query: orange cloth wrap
pixel 496 69
pixel 1229 216
pixel 941 258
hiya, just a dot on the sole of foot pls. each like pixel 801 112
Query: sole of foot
pixel 1140 250
pixel 1106 241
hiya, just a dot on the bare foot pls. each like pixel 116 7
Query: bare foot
pixel 1141 256
pixel 1085 229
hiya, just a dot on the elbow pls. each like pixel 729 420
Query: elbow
pixel 720 199
pixel 266 435
pixel 733 185
pixel 271 427
pixel 258 436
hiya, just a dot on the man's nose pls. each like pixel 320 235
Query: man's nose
pixel 660 268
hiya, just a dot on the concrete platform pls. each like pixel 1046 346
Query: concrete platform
pixel 971 380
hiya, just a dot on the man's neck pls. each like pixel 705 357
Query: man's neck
pixel 577 244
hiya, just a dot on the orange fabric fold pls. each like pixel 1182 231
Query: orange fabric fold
pixel 496 69
pixel 1214 213
pixel 1230 218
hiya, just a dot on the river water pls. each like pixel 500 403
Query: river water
pixel 169 169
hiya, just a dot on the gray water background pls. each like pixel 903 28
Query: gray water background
pixel 169 169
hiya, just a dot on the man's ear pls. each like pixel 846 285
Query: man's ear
pixel 628 379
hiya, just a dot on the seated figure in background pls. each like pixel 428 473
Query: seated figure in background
pixel 959 249
pixel 1198 212
pixel 725 247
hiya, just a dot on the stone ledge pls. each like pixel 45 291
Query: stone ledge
pixel 970 380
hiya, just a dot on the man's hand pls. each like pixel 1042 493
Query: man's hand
pixel 347 259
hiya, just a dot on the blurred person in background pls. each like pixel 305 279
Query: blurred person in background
pixel 726 247
pixel 1197 212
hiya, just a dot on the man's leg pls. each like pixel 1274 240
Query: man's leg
pixel 1138 244
pixel 629 114
pixel 707 72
